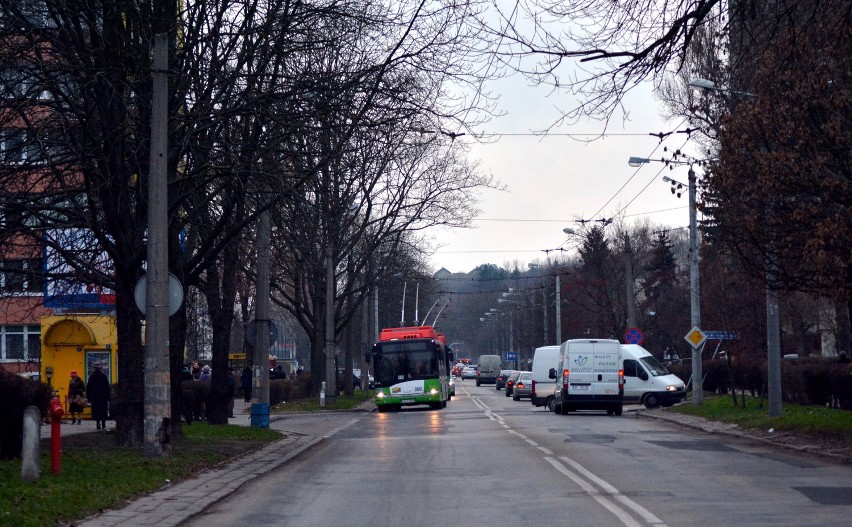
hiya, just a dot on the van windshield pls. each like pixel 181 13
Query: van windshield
pixel 654 366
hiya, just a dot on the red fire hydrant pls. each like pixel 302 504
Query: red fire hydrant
pixel 56 413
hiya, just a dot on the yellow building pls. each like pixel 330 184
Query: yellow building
pixel 76 342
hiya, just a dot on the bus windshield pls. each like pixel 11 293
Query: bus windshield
pixel 402 361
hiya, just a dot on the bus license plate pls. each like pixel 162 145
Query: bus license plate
pixel 407 401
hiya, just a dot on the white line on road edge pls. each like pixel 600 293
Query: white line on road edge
pixel 642 511
pixel 608 504
pixel 341 427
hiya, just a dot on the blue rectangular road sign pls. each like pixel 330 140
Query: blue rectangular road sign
pixel 721 335
pixel 510 355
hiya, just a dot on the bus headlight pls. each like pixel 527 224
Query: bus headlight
pixel 380 395
pixel 433 391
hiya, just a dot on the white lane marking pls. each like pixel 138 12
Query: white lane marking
pixel 339 428
pixel 623 515
pixel 608 504
pixel 642 511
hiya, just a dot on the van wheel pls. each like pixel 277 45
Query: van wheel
pixel 550 404
pixel 651 401
pixel 619 409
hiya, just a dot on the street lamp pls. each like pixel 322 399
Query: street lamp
pixel 694 286
pixel 773 316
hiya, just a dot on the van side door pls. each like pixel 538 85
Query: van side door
pixel 634 386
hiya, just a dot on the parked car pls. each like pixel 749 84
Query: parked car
pixel 510 384
pixel 468 372
pixel 523 386
pixel 502 378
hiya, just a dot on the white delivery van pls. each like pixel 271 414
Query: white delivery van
pixel 544 364
pixel 589 376
pixel 489 369
pixel 647 380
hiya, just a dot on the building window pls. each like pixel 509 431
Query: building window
pixel 19 343
pixel 21 276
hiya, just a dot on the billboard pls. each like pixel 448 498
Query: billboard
pixel 64 284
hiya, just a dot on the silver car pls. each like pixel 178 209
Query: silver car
pixel 523 386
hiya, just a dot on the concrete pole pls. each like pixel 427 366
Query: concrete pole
pixel 375 314
pixel 544 319
pixel 695 292
pixel 260 364
pixel 157 406
pixel 330 370
pixel 628 283
pixel 31 451
pixel 773 345
pixel 558 309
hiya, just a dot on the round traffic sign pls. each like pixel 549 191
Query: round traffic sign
pixel 634 336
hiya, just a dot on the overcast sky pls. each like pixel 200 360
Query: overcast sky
pixel 553 181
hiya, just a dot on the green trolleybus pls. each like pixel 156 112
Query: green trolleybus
pixel 410 368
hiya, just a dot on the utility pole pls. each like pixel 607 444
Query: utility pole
pixel 260 364
pixel 628 282
pixel 694 291
pixel 330 370
pixel 157 405
pixel 558 309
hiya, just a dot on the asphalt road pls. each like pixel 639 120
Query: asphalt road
pixel 488 460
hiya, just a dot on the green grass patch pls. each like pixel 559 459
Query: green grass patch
pixel 343 402
pixel 796 418
pixel 96 474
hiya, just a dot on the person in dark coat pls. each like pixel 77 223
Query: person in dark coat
pixel 245 379
pixel 98 392
pixel 76 388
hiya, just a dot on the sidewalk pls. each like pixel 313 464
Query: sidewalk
pixel 176 503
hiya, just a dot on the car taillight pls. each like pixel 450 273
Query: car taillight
pixel 565 373
pixel 519 385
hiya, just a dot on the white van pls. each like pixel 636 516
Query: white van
pixel 589 376
pixel 489 369
pixel 647 380
pixel 544 364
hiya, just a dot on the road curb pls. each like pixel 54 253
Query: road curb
pixel 714 427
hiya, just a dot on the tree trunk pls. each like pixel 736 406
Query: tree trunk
pixel 128 404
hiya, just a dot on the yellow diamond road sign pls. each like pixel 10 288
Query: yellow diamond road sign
pixel 695 337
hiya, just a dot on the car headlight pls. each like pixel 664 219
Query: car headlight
pixel 672 388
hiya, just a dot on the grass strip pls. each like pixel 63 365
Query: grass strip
pixel 96 474
pixel 343 402
pixel 818 420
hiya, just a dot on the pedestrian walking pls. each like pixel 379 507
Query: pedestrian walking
pixel 206 372
pixel 195 370
pixel 98 391
pixel 245 380
pixel 76 396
